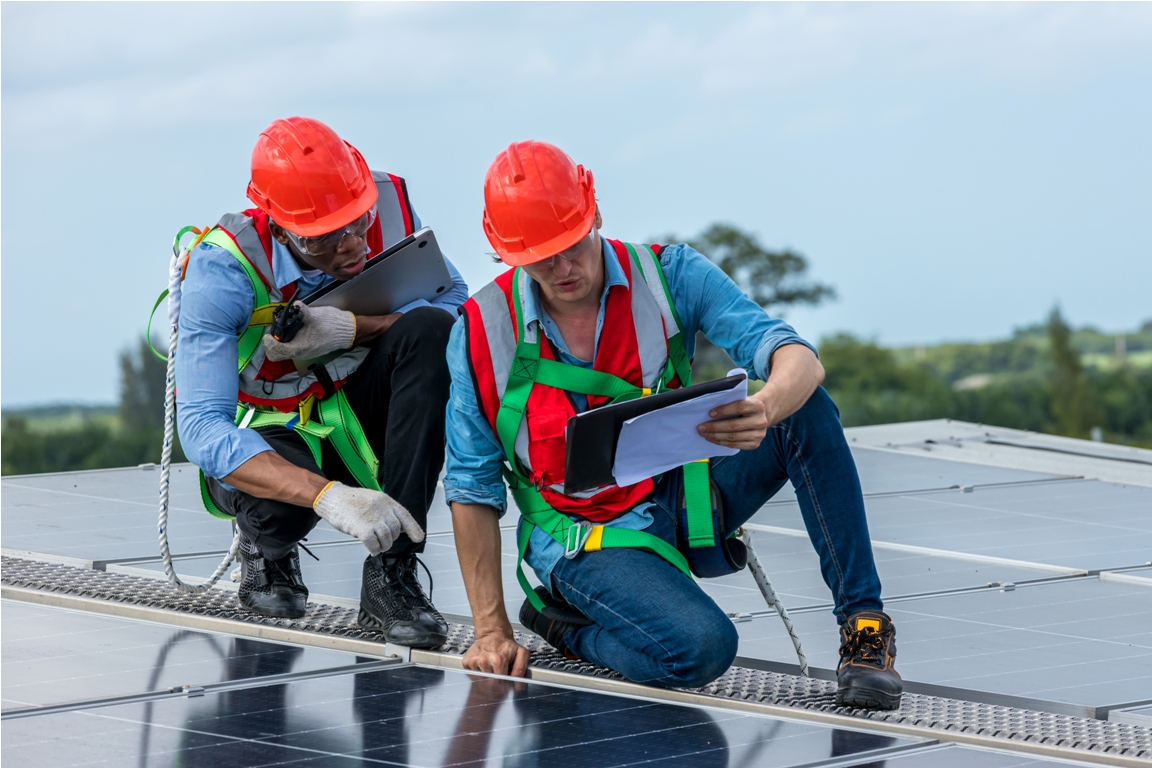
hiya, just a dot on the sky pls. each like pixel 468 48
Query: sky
pixel 953 170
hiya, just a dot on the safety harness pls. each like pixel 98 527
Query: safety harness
pixel 314 419
pixel 528 370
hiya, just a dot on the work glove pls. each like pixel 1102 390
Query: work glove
pixel 371 516
pixel 323 330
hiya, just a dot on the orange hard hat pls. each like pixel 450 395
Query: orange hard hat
pixel 537 202
pixel 308 179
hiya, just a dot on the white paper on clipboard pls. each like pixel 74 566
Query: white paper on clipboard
pixel 667 438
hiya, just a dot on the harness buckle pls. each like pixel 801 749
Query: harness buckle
pixel 575 537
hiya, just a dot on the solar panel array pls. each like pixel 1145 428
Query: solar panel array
pixel 1007 586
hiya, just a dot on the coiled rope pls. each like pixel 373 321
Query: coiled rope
pixel 175 274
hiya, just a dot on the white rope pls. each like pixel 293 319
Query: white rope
pixel 169 428
pixel 773 599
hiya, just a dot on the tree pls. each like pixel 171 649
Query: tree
pixel 773 279
pixel 142 382
pixel 1072 410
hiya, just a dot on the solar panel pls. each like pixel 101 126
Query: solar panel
pixel 980 580
pixel 1083 642
pixel 420 716
pixel 1084 524
pixel 962 757
pixel 53 655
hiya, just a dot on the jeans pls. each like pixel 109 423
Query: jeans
pixel 399 394
pixel 655 626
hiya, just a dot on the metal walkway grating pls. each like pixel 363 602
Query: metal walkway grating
pixel 1007 726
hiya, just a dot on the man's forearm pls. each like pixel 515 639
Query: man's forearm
pixel 371 327
pixel 268 475
pixel 477 531
pixel 795 372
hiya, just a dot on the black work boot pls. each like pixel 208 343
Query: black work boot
pixel 391 599
pixel 557 618
pixel 866 675
pixel 271 587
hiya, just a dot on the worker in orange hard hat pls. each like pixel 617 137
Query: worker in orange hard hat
pixel 581 321
pixel 340 416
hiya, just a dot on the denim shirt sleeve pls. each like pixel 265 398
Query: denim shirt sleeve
pixel 707 300
pixel 474 458
pixel 453 298
pixel 216 302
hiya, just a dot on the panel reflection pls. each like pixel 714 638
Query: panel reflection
pixel 411 716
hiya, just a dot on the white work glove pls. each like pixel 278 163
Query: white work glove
pixel 371 516
pixel 324 330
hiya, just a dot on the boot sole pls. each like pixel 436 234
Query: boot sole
pixel 368 621
pixel 867 698
pixel 276 614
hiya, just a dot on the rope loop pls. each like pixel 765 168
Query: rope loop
pixel 175 274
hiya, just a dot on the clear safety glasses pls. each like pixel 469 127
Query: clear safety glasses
pixel 321 245
pixel 572 253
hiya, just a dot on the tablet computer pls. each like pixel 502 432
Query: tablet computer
pixel 592 436
pixel 411 269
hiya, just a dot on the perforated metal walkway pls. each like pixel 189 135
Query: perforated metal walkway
pixel 943 719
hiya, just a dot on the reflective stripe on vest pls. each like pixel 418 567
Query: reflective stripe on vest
pixel 279 384
pixel 634 347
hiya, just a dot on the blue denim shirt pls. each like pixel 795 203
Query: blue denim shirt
pixel 215 306
pixel 706 300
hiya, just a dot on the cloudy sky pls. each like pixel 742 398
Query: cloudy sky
pixel 953 170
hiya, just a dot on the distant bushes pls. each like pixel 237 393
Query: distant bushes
pixel 77 437
pixel 1041 386
pixel 93 445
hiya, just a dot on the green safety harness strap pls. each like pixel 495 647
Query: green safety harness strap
pixel 334 418
pixel 528 369
pixel 253 335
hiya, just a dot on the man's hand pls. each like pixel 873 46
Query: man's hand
pixel 795 372
pixel 371 516
pixel 497 653
pixel 744 425
pixel 324 330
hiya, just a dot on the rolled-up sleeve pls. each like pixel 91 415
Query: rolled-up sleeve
pixel 473 457
pixel 216 302
pixel 707 300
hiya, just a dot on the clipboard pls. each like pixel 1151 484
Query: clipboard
pixel 411 269
pixel 592 436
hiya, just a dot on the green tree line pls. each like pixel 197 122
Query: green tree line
pixel 68 438
pixel 1045 378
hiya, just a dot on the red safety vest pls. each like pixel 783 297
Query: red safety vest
pixel 638 320
pixel 279 384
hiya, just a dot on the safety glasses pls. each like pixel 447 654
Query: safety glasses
pixel 572 253
pixel 321 245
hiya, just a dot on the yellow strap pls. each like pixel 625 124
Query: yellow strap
pixel 306 409
pixel 595 539
pixel 263 315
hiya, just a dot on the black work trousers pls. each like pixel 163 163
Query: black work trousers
pixel 399 394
